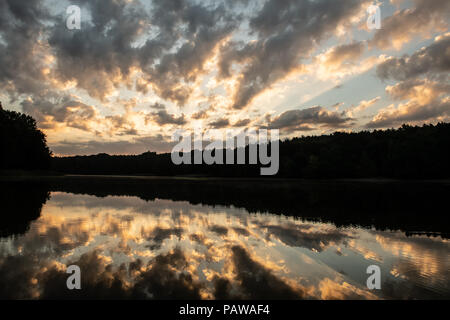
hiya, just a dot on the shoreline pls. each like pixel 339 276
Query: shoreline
pixel 55 176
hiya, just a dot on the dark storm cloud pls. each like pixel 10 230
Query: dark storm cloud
pixel 99 57
pixel 21 26
pixel 287 32
pixel 219 123
pixel 72 113
pixel 433 59
pixel 158 106
pixel 307 119
pixel 163 118
pixel 174 71
pixel 169 43
pixel 242 123
pixel 202 114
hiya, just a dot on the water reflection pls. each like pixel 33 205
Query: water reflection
pixel 127 247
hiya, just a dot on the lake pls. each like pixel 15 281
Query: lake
pixel 140 238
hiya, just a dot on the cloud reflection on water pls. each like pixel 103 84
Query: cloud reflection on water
pixel 129 248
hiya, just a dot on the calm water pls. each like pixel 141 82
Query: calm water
pixel 127 247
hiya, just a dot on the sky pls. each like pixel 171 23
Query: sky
pixel 137 71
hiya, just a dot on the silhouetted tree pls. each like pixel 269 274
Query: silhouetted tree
pixel 22 144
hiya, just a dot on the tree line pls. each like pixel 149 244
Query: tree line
pixel 409 152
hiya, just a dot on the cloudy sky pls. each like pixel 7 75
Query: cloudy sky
pixel 137 71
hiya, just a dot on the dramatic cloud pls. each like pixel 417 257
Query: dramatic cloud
pixel 24 57
pixel 242 123
pixel 346 52
pixel 163 118
pixel 112 46
pixel 307 119
pixel 144 68
pixel 423 91
pixel 363 105
pixel 424 84
pixel 72 113
pixel 104 54
pixel 343 60
pixel 432 59
pixel 100 56
pixel 202 114
pixel 424 18
pixel 219 123
pixel 427 100
pixel 411 112
pixel 287 32
pixel 200 28
pixel 352 111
